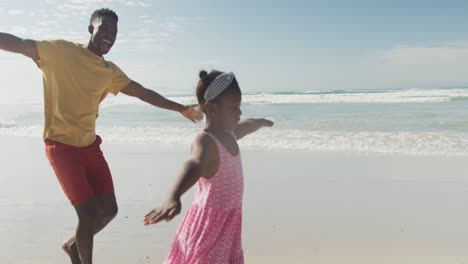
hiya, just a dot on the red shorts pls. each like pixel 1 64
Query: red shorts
pixel 82 171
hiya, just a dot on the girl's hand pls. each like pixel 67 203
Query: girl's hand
pixel 169 210
pixel 266 122
pixel 250 125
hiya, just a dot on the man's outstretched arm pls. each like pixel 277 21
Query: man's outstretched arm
pixel 137 90
pixel 12 43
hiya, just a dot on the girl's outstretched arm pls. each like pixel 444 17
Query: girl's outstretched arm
pixel 203 163
pixel 251 125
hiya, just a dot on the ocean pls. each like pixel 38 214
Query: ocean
pixel 397 121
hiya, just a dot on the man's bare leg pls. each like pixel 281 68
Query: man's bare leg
pixel 106 210
pixel 72 250
pixel 84 235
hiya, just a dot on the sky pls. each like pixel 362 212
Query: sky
pixel 271 46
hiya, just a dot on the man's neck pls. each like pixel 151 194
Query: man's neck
pixel 91 48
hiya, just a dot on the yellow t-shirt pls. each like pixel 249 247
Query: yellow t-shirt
pixel 75 82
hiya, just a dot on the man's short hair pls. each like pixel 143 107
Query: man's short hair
pixel 102 13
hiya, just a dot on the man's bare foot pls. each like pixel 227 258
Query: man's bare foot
pixel 72 251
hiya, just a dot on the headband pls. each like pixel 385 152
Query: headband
pixel 218 85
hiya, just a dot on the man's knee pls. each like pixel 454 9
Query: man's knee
pixel 87 211
pixel 107 206
pixel 107 211
pixel 110 211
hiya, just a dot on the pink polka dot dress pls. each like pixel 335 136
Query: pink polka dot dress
pixel 210 232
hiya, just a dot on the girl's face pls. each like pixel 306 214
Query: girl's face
pixel 226 112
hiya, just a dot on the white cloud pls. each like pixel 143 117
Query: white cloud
pixel 89 5
pixel 169 25
pixel 397 67
pixel 85 1
pixel 165 78
pixel 74 7
pixel 60 20
pixel 424 57
pixel 143 39
pixel 143 4
pixel 210 64
pixel 145 19
pixel 60 15
pixel 149 37
pixel 14 68
pixel 15 12
pixel 413 67
pixel 16 30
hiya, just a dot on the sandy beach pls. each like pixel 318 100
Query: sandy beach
pixel 299 207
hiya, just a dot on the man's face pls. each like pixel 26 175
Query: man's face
pixel 103 34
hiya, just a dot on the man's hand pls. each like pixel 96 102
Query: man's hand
pixel 192 112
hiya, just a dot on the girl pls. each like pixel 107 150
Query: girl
pixel 211 229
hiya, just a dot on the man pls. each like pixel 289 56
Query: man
pixel 76 79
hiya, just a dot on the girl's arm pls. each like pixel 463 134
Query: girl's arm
pixel 204 162
pixel 251 125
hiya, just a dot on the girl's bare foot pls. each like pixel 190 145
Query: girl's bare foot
pixel 72 251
